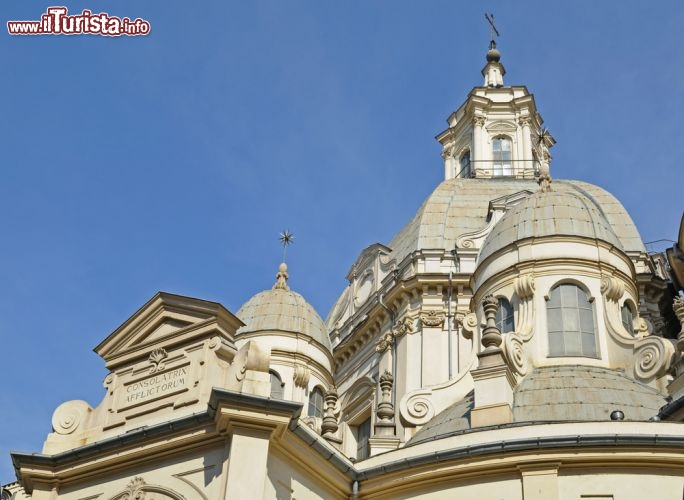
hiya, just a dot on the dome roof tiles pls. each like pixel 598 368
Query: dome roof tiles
pixel 552 213
pixel 282 310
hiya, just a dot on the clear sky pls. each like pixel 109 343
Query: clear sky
pixel 172 161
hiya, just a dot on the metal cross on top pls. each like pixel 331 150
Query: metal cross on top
pixel 492 29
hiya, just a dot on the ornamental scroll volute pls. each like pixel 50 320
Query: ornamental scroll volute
pixel 524 288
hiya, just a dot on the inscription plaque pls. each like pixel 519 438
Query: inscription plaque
pixel 157 386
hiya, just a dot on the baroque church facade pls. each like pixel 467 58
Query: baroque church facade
pixel 514 341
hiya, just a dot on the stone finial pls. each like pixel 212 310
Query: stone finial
pixel 385 410
pixel 678 307
pixel 329 424
pixel 281 278
pixel 491 335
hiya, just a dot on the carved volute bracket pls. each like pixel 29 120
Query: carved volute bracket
pixel 468 321
pixel 491 335
pixel 523 286
pixel 402 327
pixel 613 289
pixel 385 342
pixel 653 357
pixel 301 375
pixel 399 329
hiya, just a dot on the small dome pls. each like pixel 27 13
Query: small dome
pixel 281 309
pixel 559 394
pixel 551 213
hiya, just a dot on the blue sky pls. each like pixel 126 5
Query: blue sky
pixel 172 161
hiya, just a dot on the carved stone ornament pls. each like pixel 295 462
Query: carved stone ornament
pixel 678 307
pixel 479 121
pixel 613 289
pixel 69 416
pixel 156 359
pixel 134 489
pixel 384 343
pixel 301 375
pixel 400 329
pixel 523 286
pixel 432 318
pixel 403 327
pixel 469 323
pixel 417 407
pixel 653 357
pixel 448 152
pixel 514 354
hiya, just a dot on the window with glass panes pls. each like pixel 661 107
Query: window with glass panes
pixel 571 324
pixel 316 403
pixel 276 386
pixel 464 162
pixel 501 157
pixel 627 318
pixel 504 316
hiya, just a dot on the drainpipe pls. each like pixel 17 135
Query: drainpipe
pixel 355 490
pixel 457 264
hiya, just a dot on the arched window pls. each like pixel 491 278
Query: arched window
pixel 571 325
pixel 276 385
pixel 316 403
pixel 627 318
pixel 465 170
pixel 504 316
pixel 501 157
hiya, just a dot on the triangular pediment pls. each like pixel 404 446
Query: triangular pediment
pixel 164 321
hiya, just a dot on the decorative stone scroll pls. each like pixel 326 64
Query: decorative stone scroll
pixel 468 320
pixel 524 286
pixel 653 357
pixel 301 375
pixel 613 289
pixel 432 319
pixel 403 327
pixel 69 416
pixel 384 343
pixel 417 408
pixel 514 354
pixel 399 329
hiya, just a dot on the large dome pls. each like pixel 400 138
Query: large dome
pixel 459 206
pixel 282 310
pixel 554 213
